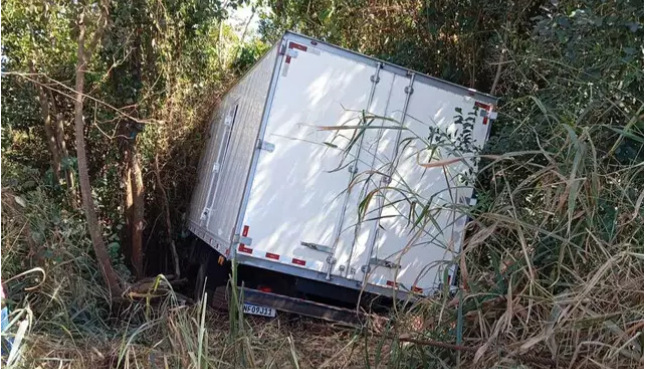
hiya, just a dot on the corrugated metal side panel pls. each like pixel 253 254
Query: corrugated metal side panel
pixel 204 175
pixel 250 94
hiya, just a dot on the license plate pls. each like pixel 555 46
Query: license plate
pixel 259 310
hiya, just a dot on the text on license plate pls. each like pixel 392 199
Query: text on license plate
pixel 259 310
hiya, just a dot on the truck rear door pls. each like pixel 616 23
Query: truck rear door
pixel 414 258
pixel 300 211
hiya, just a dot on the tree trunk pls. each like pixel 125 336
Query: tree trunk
pixel 55 136
pixel 128 201
pixel 105 265
pixel 68 171
pixel 137 224
pixel 50 136
pixel 136 178
pixel 169 228
pixel 134 199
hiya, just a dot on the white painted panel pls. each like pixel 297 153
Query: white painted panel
pixel 421 254
pixel 375 154
pixel 298 189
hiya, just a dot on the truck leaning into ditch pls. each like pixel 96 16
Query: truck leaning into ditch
pixel 327 175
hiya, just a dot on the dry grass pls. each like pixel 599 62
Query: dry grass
pixel 552 269
pixel 565 272
pixel 173 341
pixel 587 311
pixel 546 273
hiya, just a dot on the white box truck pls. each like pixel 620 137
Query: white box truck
pixel 318 179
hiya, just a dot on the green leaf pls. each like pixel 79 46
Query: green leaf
pixel 627 134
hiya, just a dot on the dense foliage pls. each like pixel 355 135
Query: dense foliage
pixel 151 84
pixel 554 258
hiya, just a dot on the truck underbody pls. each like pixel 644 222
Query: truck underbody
pixel 212 277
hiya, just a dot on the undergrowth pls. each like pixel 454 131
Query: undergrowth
pixel 552 266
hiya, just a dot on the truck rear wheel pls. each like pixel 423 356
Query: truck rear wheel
pixel 200 283
pixel 210 273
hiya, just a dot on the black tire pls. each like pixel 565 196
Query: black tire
pixel 200 283
pixel 194 250
pixel 210 274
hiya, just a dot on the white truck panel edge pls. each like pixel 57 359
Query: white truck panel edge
pixel 250 95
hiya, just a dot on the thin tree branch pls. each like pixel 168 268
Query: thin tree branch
pixel 27 76
pixel 102 24
pixel 173 249
pixel 500 63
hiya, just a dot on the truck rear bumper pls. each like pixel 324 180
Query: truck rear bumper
pixel 292 305
pixel 321 277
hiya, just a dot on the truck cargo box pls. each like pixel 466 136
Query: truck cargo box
pixel 320 162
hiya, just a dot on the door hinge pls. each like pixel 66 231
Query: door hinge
pixel 205 213
pixel 267 146
pixel 241 239
pixel 384 263
pixel 317 247
pixel 492 115
pixel 292 53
